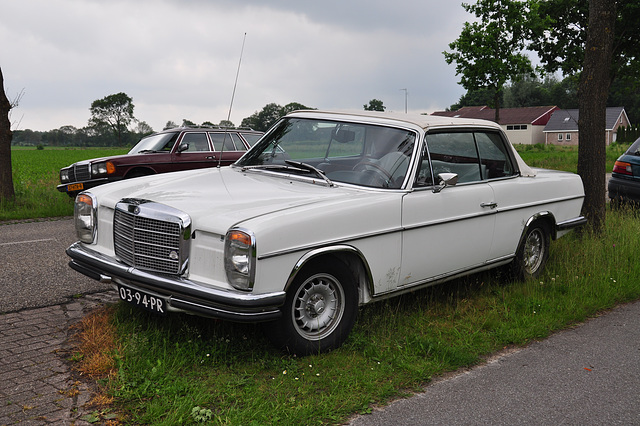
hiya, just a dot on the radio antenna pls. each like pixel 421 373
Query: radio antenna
pixel 233 95
pixel 237 74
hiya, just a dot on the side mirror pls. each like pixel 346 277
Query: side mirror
pixel 446 179
pixel 183 147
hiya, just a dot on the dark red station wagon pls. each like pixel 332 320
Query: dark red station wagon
pixel 167 151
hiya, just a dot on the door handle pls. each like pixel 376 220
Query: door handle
pixel 491 205
pixel 211 157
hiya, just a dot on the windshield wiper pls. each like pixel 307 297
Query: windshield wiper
pixel 310 168
pixel 292 166
pixel 147 151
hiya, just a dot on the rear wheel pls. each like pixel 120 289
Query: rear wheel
pixel 319 312
pixel 533 252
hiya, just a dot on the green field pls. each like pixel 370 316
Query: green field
pixel 35 177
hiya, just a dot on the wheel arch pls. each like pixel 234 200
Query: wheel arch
pixel 351 257
pixel 545 217
pixel 139 171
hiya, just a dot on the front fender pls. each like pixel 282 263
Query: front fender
pixel 351 256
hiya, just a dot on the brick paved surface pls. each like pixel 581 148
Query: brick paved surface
pixel 36 384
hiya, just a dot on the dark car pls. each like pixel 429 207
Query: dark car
pixel 624 185
pixel 167 151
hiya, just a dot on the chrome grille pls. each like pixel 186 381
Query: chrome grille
pixel 79 173
pixel 151 236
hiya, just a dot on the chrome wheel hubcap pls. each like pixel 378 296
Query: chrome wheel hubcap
pixel 318 306
pixel 533 251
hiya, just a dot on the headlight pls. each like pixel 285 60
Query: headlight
pixel 64 175
pixel 85 217
pixel 102 169
pixel 240 259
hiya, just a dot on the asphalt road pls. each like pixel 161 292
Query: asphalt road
pixel 33 266
pixel 588 375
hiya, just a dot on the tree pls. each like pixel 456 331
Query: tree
pixel 271 113
pixel 593 91
pixel 114 112
pixel 488 52
pixel 597 40
pixel 143 128
pixel 6 178
pixel 375 105
pixel 170 125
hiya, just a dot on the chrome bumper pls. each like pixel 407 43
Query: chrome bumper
pixel 180 294
pixel 571 223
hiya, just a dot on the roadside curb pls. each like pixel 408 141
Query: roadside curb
pixel 36 380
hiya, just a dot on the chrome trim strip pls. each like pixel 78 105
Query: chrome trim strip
pixel 181 293
pixel 339 249
pixel 443 277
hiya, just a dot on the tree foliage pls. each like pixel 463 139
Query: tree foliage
pixel 374 105
pixel 113 112
pixel 6 178
pixel 262 120
pixel 599 41
pixel 489 51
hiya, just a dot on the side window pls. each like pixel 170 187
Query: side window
pixel 494 156
pixel 454 152
pixel 230 141
pixel 197 142
pixel 251 138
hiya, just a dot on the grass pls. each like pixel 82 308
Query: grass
pixel 35 177
pixel 183 370
pixel 563 157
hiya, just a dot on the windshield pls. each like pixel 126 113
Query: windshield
pixel 162 142
pixel 356 153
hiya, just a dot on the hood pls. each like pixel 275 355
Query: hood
pixel 229 194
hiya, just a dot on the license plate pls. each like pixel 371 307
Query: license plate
pixel 75 187
pixel 143 300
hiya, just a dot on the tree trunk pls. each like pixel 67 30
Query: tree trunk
pixel 6 178
pixel 592 102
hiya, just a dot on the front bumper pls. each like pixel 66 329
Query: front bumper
pixel 73 188
pixel 180 294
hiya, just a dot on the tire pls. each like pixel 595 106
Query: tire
pixel 533 253
pixel 319 312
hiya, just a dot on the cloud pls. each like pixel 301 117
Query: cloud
pixel 178 59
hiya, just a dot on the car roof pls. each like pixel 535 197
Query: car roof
pixel 210 129
pixel 423 121
pixel 420 120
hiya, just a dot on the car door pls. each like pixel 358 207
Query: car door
pixel 448 231
pixel 511 193
pixel 197 155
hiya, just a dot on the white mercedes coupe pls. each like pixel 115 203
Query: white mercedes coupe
pixel 326 212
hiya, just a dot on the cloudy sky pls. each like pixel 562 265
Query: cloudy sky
pixel 178 59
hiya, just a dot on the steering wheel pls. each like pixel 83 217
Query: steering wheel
pixel 377 168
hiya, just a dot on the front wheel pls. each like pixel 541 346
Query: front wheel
pixel 319 311
pixel 533 252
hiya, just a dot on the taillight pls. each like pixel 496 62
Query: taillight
pixel 622 168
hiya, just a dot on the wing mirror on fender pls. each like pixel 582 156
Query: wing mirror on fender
pixel 445 179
